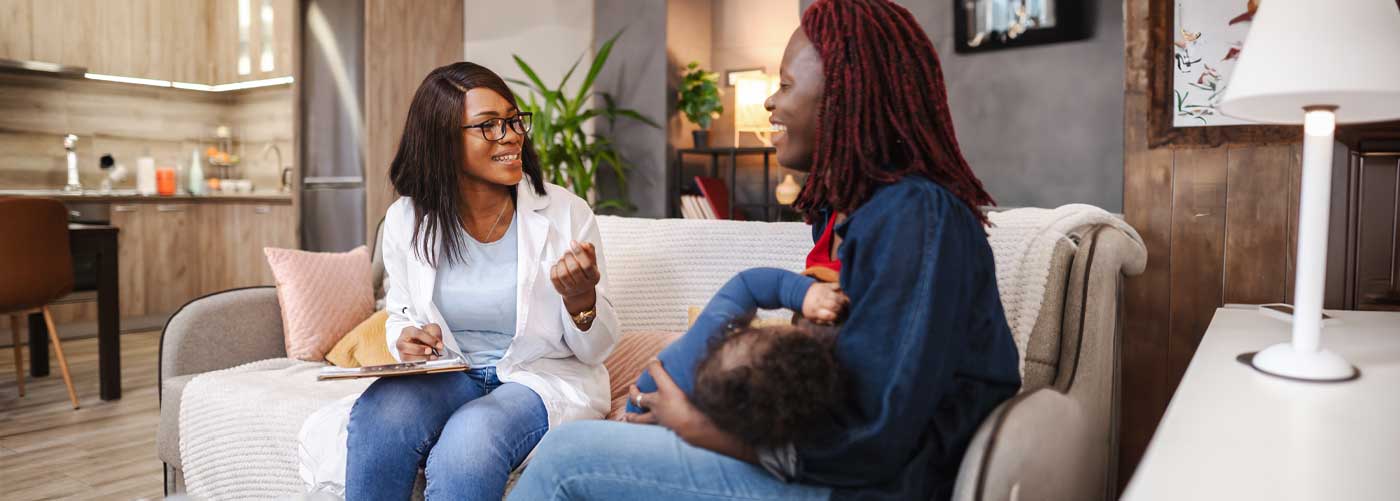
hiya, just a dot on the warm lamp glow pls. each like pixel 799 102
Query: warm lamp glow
pixel 1319 122
pixel 750 115
pixel 787 191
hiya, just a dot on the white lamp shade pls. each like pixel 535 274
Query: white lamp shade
pixel 1299 53
pixel 749 94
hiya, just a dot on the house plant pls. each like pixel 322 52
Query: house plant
pixel 698 99
pixel 569 156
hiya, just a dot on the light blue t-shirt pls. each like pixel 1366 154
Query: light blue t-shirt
pixel 477 297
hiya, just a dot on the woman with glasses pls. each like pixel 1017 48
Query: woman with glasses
pixel 861 106
pixel 488 262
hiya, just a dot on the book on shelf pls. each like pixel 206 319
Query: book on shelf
pixel 684 203
pixel 697 203
pixel 690 207
pixel 716 197
pixel 702 207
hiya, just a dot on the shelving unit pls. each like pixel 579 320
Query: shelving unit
pixel 772 211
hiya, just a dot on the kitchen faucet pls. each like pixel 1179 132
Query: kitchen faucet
pixel 281 172
pixel 69 143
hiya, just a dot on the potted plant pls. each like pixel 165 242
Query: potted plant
pixel 569 156
pixel 698 99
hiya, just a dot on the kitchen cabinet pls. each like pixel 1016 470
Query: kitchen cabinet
pixel 131 256
pixel 169 236
pixel 134 38
pixel 277 227
pixel 193 41
pixel 232 239
pixel 251 39
pixel 152 32
pixel 187 44
pixel 113 55
pixel 172 252
pixel 15 20
pixel 64 31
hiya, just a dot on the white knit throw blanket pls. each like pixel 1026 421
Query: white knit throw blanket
pixel 1023 242
pixel 238 427
pixel 659 268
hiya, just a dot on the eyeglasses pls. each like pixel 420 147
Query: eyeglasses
pixel 495 128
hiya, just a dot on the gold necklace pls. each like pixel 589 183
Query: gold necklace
pixel 497 223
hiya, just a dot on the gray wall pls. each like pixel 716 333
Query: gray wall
pixel 1042 126
pixel 635 75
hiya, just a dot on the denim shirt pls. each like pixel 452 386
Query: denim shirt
pixel 926 343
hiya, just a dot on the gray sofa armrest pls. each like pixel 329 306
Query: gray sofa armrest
pixel 222 330
pixel 1038 445
pixel 1060 443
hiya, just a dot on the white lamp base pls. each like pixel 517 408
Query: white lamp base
pixel 1283 360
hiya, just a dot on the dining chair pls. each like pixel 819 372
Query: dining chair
pixel 38 269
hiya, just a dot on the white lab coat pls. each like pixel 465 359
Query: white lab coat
pixel 549 354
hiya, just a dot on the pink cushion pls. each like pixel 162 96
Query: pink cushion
pixel 625 364
pixel 323 296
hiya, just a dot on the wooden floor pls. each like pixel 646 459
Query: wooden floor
pixel 105 450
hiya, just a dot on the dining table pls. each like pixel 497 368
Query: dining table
pixel 97 244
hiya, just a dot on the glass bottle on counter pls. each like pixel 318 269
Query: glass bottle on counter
pixel 195 177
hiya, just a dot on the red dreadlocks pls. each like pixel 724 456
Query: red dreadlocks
pixel 884 110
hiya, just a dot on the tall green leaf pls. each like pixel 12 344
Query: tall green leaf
pixel 598 61
pixel 568 156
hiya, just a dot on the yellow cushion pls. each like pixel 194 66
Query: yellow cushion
pixel 364 345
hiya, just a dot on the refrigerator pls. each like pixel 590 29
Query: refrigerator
pixel 331 125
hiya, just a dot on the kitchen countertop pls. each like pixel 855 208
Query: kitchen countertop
pixel 279 197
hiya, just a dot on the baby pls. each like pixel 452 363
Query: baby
pixel 768 386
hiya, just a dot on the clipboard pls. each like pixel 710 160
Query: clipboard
pixel 454 363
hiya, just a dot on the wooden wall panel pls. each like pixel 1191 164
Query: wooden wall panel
pixel 1256 224
pixel 1146 319
pixel 1197 250
pixel 403 42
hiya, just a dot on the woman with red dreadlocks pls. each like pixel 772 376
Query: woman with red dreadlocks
pixel 925 343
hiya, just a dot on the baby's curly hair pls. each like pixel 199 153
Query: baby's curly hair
pixel 772 385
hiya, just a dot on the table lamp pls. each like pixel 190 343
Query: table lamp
pixel 750 115
pixel 1318 63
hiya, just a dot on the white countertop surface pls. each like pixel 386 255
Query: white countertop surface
pixel 1233 433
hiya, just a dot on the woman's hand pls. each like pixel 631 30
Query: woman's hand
pixel 419 344
pixel 668 406
pixel 824 303
pixel 575 276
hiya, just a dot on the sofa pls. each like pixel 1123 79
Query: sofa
pixel 1057 439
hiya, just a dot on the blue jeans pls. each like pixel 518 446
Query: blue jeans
pixel 465 429
pixel 609 460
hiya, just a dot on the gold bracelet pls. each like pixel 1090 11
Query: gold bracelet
pixel 586 316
